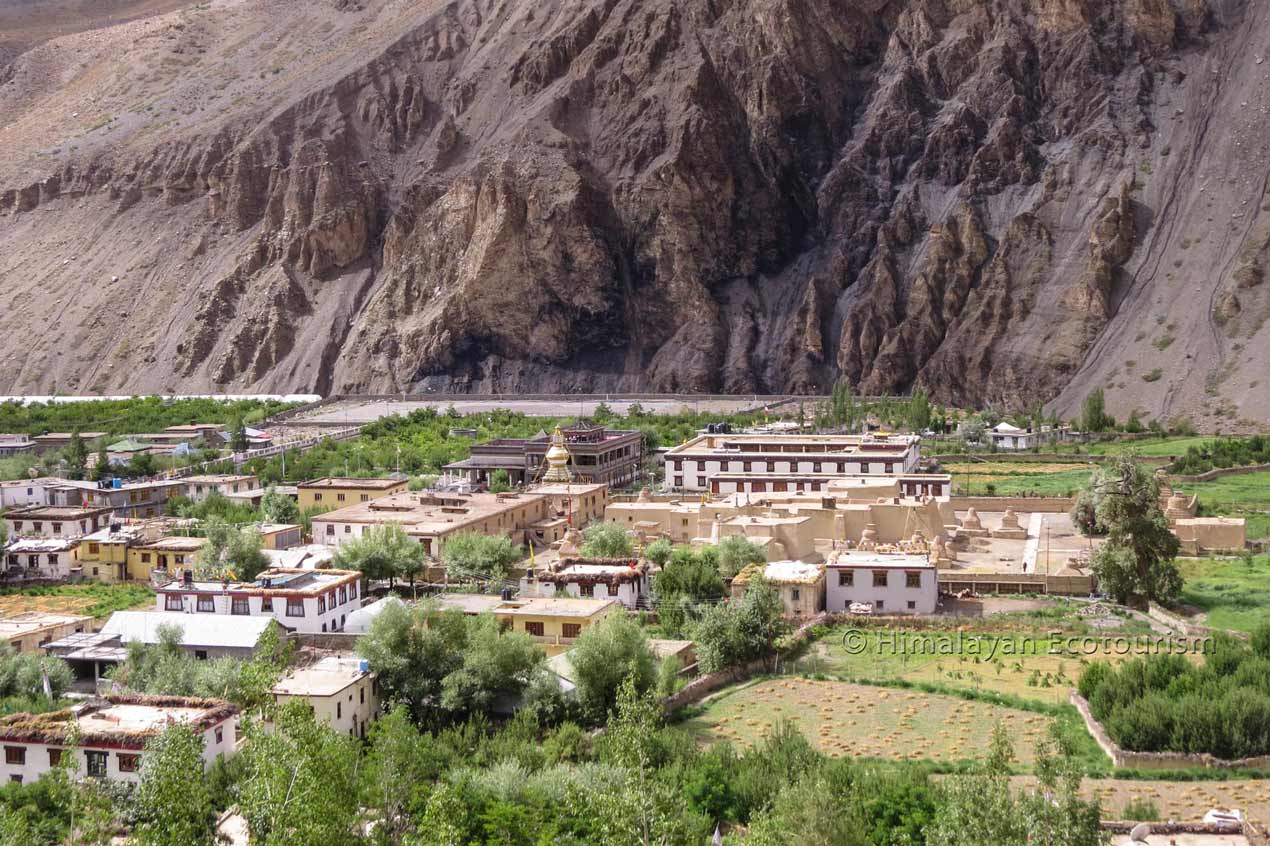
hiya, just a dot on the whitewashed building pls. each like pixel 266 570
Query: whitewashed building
pixel 42 558
pixel 300 600
pixel 342 691
pixel 887 583
pixel 112 732
pixel 691 465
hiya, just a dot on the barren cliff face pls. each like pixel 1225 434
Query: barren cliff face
pixel 1007 201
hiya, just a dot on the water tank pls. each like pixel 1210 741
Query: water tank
pixel 363 665
pixel 116 483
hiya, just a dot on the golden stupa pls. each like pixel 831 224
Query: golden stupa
pixel 558 460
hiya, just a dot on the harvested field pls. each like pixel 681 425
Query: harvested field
pixel 1178 800
pixel 96 600
pixel 850 720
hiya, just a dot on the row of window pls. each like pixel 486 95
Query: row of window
pixel 339 497
pixel 567 630
pixel 129 762
pixel 37 527
pixel 881 578
pixel 239 605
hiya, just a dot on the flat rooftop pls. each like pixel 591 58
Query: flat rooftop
pixel 566 489
pixel 428 512
pixel 892 445
pixel 368 484
pixel 34 621
pixel 325 677
pixel 53 512
pixel 26 546
pixel 127 721
pixel 218 479
pixel 879 560
pixel 176 544
pixel 784 572
pixel 470 603
pixel 553 606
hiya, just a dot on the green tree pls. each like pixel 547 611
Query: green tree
pixel 277 507
pixel 143 464
pixel 382 552
pixel 173 805
pixel 299 784
pixel 411 652
pixel 1093 414
pixel 737 552
pixel 232 551
pixel 469 555
pixel 76 456
pixel 500 481
pixel 101 469
pixel 919 410
pixel 398 766
pixel 496 666
pixel 238 436
pixel 658 552
pixel 614 650
pixel 741 630
pixel 1138 534
pixel 607 540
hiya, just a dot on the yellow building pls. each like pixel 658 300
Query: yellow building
pixel 555 619
pixel 103 555
pixel 337 493
pixel 171 554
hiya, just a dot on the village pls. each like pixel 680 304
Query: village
pixel 555 537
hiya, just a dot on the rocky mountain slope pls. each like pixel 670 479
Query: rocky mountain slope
pixel 1007 201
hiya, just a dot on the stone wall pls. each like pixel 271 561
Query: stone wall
pixel 1157 760
pixel 1024 504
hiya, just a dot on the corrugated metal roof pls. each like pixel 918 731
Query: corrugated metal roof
pixel 215 630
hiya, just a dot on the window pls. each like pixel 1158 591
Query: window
pixel 15 755
pixel 266 603
pixel 238 605
pixel 348 529
pixel 339 710
pixel 572 630
pixel 879 604
pixel 38 526
pixel 55 757
pixel 365 497
pixel 15 778
pixel 145 558
pixel 912 580
pixel 220 734
pixel 173 602
pixel 96 763
pixel 129 763
pixel 795 594
pixel 94 549
pixel 352 590
pixel 295 607
pixel 57 528
pixel 534 629
pixel 361 695
pixel 879 578
pixel 317 497
pixel 912 605
pixel 200 654
pixel 339 497
pixel 206 605
pixel 343 595
pixel 321 603
pixel 846 578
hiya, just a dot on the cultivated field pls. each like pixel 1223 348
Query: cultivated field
pixel 1017 478
pixel 1177 800
pixel 96 600
pixel 861 721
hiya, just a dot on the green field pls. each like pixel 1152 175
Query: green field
pixel 1003 477
pixel 1155 447
pixel 1233 593
pixel 1002 659
pixel 96 600
pixel 1237 496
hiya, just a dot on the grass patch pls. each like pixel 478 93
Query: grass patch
pixel 1234 593
pixel 1017 479
pixel 96 600
pixel 1246 496
pixel 1149 447
pixel 1153 376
